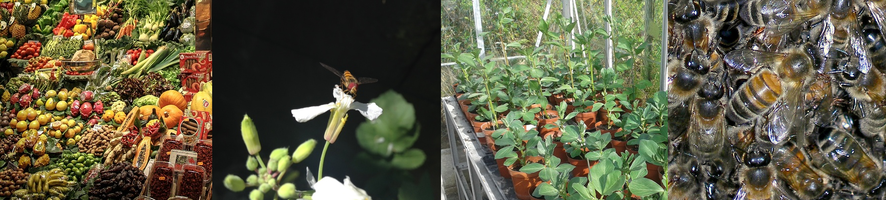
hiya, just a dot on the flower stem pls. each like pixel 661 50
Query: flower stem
pixel 260 161
pixel 322 157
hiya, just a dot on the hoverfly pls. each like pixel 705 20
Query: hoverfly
pixel 349 82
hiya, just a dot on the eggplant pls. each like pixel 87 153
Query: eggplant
pixel 178 34
pixel 188 4
pixel 167 33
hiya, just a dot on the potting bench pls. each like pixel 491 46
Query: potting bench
pixel 476 163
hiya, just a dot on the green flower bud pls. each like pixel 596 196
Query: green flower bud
pixel 250 135
pixel 272 182
pixel 265 188
pixel 251 163
pixel 303 151
pixel 252 180
pixel 256 195
pixel 287 191
pixel 279 153
pixel 234 183
pixel 272 165
pixel 262 171
pixel 284 163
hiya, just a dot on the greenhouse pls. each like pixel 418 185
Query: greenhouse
pixel 553 100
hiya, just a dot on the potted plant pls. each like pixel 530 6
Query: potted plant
pixel 609 83
pixel 557 133
pixel 554 174
pixel 520 153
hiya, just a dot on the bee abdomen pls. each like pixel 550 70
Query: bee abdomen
pixel 874 123
pixel 757 95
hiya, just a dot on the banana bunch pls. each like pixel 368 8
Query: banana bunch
pixel 52 184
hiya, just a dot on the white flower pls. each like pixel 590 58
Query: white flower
pixel 339 108
pixel 330 188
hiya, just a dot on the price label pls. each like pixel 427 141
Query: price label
pixel 78 37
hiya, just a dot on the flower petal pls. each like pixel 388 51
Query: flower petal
pixel 338 93
pixel 330 188
pixel 371 111
pixel 308 113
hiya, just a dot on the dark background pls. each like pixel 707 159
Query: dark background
pixel 266 64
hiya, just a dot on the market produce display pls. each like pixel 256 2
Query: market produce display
pixel 96 99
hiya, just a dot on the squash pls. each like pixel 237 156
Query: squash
pixel 109 116
pixel 201 102
pixel 171 115
pixel 119 117
pixel 146 111
pixel 173 97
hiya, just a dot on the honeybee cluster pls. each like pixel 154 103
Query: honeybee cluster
pixel 777 99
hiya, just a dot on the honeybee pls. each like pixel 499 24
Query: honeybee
pixel 723 10
pixel 700 34
pixel 686 75
pixel 804 182
pixel 730 36
pixel 686 11
pixel 867 87
pixel 875 44
pixel 757 178
pixel 843 157
pixel 348 82
pixel 707 127
pixel 765 88
pixel 683 173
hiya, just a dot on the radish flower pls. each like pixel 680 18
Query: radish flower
pixel 329 188
pixel 339 108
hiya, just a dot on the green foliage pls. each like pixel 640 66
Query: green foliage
pixel 392 135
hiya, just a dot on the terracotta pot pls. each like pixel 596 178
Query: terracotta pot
pixel 464 104
pixel 542 121
pixel 555 99
pixel 619 145
pixel 634 149
pixel 524 183
pixel 458 95
pixel 589 118
pixel 547 107
pixel 569 106
pixel 477 125
pixel 653 172
pixel 581 166
pixel 470 116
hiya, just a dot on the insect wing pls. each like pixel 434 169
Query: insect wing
pixel 748 61
pixel 366 80
pixel 879 14
pixel 333 70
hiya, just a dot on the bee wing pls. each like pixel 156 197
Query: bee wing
pixel 879 14
pixel 826 38
pixel 748 61
pixel 857 48
pixel 366 80
pixel 333 70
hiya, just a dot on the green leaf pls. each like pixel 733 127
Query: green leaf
pixel 409 160
pixel 644 187
pixel 506 152
pixel 548 79
pixel 548 174
pixel 532 168
pixel 501 108
pixel 547 189
pixel 514 44
pixel 582 190
pixel 466 59
pixel 536 73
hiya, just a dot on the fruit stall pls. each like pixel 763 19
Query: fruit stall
pixel 107 99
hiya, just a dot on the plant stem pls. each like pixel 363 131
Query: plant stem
pixel 322 158
pixel 260 161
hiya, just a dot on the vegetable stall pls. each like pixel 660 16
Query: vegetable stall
pixel 104 99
